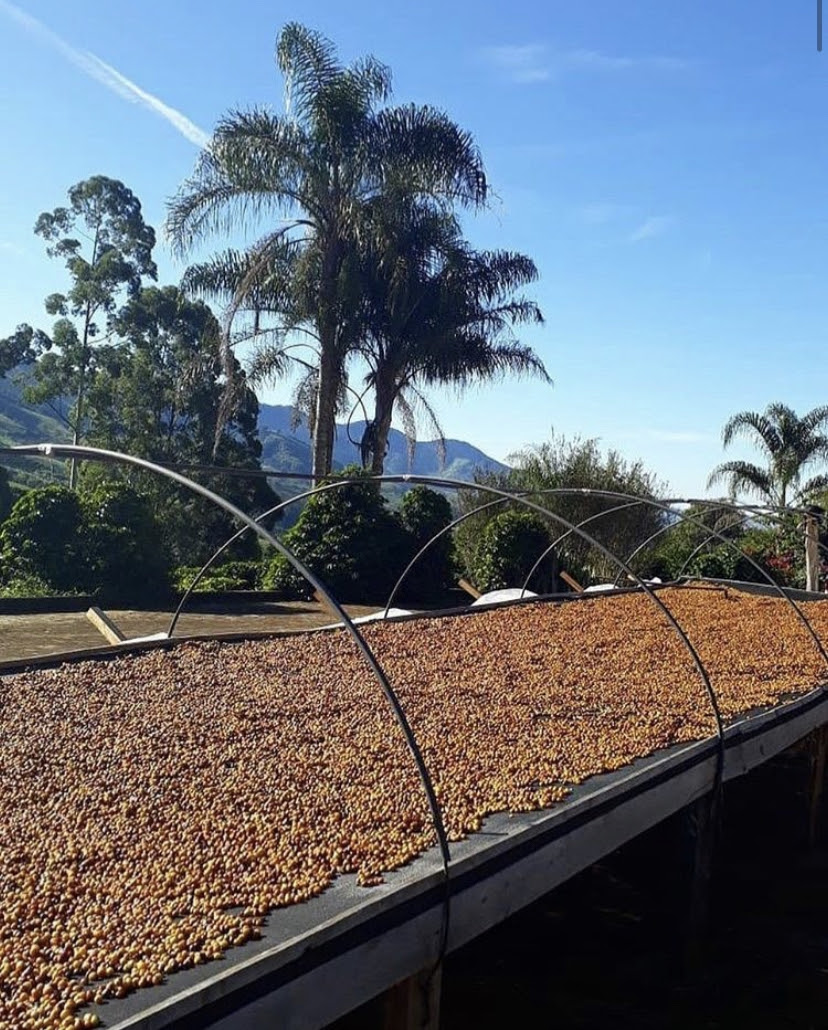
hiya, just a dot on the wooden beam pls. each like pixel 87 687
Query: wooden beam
pixel 819 750
pixel 102 622
pixel 465 585
pixel 570 581
pixel 414 1004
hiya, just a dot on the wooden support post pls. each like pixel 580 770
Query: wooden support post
pixel 414 1004
pixel 812 549
pixel 701 821
pixel 819 752
pixel 101 621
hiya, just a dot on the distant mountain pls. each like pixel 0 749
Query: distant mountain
pixel 289 449
pixel 21 423
pixel 283 448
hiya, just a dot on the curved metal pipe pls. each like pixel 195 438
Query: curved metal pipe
pixel 440 533
pixel 754 511
pixel 505 496
pixel 696 550
pixel 563 536
pixel 475 511
pixel 98 454
pixel 694 521
pixel 762 511
pixel 653 536
pixel 202 572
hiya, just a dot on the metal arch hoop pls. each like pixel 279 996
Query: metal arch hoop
pixel 772 512
pixel 563 536
pixel 714 534
pixel 467 515
pixel 504 496
pixel 98 454
pixel 432 540
pixel 654 536
pixel 202 572
pixel 712 506
pixel 696 550
pixel 618 561
pixel 689 518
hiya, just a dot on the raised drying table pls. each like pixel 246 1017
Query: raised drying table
pixel 318 960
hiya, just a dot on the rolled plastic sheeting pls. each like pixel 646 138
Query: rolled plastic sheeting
pixel 502 596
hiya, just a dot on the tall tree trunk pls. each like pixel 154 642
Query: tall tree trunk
pixel 325 427
pixel 87 322
pixel 381 427
pixel 330 363
pixel 76 435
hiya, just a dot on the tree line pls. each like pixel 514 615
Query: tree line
pixel 108 540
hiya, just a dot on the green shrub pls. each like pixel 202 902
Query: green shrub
pixel 349 539
pixel 124 548
pixel 43 540
pixel 6 496
pixel 424 513
pixel 509 546
pixel 26 586
pixel 233 575
pixel 281 578
pixel 104 541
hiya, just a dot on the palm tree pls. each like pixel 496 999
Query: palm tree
pixel 790 444
pixel 305 177
pixel 436 313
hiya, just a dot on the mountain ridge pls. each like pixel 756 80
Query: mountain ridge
pixel 284 448
pixel 292 445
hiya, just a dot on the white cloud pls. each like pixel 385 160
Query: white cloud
pixel 11 248
pixel 520 63
pixel 536 62
pixel 595 60
pixel 600 212
pixel 106 75
pixel 655 225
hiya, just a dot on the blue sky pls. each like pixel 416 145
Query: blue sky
pixel 663 163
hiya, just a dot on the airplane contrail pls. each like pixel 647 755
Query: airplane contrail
pixel 106 75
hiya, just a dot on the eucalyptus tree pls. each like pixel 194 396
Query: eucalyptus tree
pixel 789 444
pixel 437 313
pixel 156 392
pixel 107 249
pixel 22 348
pixel 303 177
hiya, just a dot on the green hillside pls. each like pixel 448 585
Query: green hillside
pixel 20 423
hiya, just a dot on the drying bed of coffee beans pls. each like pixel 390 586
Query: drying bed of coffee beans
pixel 157 807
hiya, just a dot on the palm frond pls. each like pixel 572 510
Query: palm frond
pixel 255 165
pixel 269 363
pixel 743 477
pixel 752 423
pixel 420 150
pixel 815 485
pixel 422 403
pixel 409 423
pixel 308 62
pixel 816 419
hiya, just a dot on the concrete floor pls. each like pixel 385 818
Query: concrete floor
pixel 29 636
